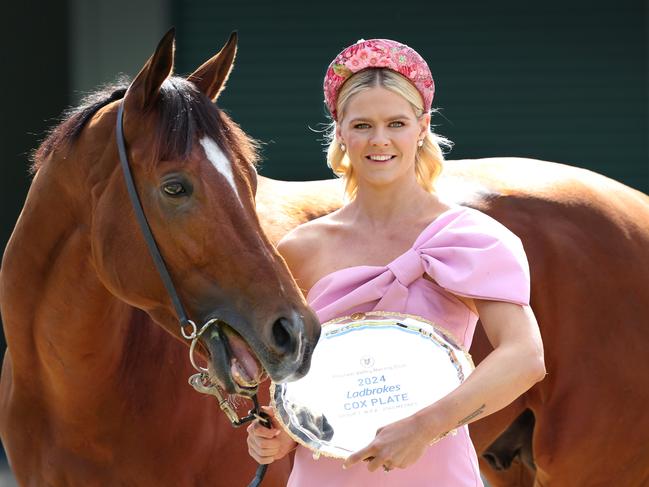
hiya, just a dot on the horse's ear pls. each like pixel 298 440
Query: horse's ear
pixel 146 85
pixel 211 76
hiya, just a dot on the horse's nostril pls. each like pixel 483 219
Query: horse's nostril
pixel 282 335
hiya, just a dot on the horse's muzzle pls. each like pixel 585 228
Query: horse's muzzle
pixel 293 340
pixel 283 353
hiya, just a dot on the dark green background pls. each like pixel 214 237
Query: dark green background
pixel 561 81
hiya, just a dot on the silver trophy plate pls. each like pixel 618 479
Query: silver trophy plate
pixel 368 370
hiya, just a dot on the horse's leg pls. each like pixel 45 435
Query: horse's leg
pixel 514 443
pixel 487 431
pixel 518 475
pixel 508 461
pixel 22 450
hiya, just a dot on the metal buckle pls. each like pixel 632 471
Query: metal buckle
pixel 201 382
pixel 193 333
pixel 194 339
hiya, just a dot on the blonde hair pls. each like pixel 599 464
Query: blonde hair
pixel 429 157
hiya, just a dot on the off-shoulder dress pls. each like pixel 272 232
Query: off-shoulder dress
pixel 466 253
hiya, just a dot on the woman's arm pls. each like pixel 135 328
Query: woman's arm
pixel 515 364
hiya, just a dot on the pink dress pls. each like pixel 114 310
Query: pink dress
pixel 467 253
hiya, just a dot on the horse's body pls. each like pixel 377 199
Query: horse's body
pixel 587 240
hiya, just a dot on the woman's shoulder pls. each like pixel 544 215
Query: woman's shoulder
pixel 300 244
pixel 472 254
pixel 477 223
pixel 471 232
pixel 470 221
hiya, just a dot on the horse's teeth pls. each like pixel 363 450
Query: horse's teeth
pixel 239 375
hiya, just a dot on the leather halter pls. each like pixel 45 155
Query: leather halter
pixel 146 229
pixel 201 381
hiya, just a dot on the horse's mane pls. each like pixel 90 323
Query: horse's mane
pixel 184 113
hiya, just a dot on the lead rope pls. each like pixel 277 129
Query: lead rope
pixel 199 381
pixel 264 420
pixel 202 383
pixel 259 476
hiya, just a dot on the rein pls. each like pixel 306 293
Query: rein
pixel 201 381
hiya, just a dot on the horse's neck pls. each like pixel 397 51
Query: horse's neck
pixel 58 316
pixel 283 205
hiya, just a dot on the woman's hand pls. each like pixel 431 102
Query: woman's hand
pixel 397 445
pixel 266 445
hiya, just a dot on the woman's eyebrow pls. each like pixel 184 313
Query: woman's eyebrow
pixel 394 117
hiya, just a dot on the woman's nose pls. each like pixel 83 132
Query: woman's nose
pixel 379 139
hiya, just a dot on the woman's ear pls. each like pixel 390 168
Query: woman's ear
pixel 424 124
pixel 339 135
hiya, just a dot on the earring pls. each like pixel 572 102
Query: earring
pixel 342 147
pixel 420 143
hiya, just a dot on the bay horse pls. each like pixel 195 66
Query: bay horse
pixel 587 241
pixel 94 387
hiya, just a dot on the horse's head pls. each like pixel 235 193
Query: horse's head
pixel 195 175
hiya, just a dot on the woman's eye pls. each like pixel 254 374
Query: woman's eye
pixel 174 189
pixel 396 124
pixel 361 125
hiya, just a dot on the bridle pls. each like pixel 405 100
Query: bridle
pixel 200 381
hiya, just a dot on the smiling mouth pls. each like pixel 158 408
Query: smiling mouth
pixel 240 371
pixel 380 158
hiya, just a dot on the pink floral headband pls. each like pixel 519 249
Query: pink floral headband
pixel 378 53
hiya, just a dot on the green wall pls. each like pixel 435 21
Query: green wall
pixel 561 81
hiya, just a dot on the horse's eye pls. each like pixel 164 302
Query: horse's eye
pixel 174 189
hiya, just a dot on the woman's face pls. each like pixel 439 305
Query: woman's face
pixel 380 129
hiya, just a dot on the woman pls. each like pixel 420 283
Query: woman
pixel 395 246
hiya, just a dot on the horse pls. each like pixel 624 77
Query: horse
pixel 94 387
pixel 587 241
